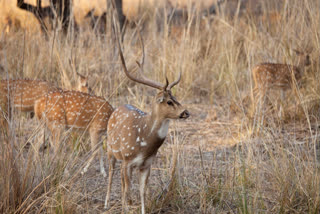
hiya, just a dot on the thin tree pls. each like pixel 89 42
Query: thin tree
pixel 58 9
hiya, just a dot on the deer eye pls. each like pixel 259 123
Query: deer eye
pixel 170 103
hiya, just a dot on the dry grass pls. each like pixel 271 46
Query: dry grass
pixel 218 161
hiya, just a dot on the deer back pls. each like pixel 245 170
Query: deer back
pixel 273 75
pixel 74 109
pixel 24 93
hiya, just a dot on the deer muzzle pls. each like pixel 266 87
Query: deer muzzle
pixel 185 114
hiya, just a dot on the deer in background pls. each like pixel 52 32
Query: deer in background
pixel 97 22
pixel 275 76
pixel 21 95
pixel 134 136
pixel 83 84
pixel 75 110
pixel 11 24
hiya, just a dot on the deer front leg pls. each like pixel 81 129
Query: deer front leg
pixel 143 180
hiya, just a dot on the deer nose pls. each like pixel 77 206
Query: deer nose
pixel 185 114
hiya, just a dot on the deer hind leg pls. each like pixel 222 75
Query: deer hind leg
pixel 143 180
pixel 56 131
pixel 281 103
pixel 257 102
pixel 4 126
pixel 45 139
pixel 254 102
pixel 112 162
pixel 102 170
pixel 126 171
pixel 5 118
pixel 4 122
pixel 129 174
pixel 122 188
pixel 95 139
pixel 258 106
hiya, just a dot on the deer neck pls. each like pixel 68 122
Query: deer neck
pixel 158 125
pixel 302 65
pixel 299 69
pixel 155 132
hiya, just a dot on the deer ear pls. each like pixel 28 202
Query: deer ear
pixel 83 83
pixel 160 99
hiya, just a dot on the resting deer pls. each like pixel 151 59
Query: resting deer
pixel 272 76
pixel 78 111
pixel 134 136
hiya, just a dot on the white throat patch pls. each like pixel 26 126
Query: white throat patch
pixel 137 161
pixel 163 131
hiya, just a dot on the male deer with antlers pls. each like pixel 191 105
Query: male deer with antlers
pixel 134 136
pixel 273 76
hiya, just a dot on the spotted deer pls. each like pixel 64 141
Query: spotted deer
pixel 75 110
pixel 134 136
pixel 11 24
pixel 21 95
pixel 275 76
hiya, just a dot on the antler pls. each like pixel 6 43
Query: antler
pixel 164 87
pixel 175 82
pixel 143 79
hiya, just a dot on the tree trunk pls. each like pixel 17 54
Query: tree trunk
pixel 121 16
pixel 62 8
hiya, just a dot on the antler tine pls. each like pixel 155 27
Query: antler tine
pixel 142 46
pixel 144 80
pixel 175 82
pixel 115 28
pixel 141 64
pixel 149 82
pixel 166 85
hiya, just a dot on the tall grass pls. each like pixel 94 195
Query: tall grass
pixel 219 161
